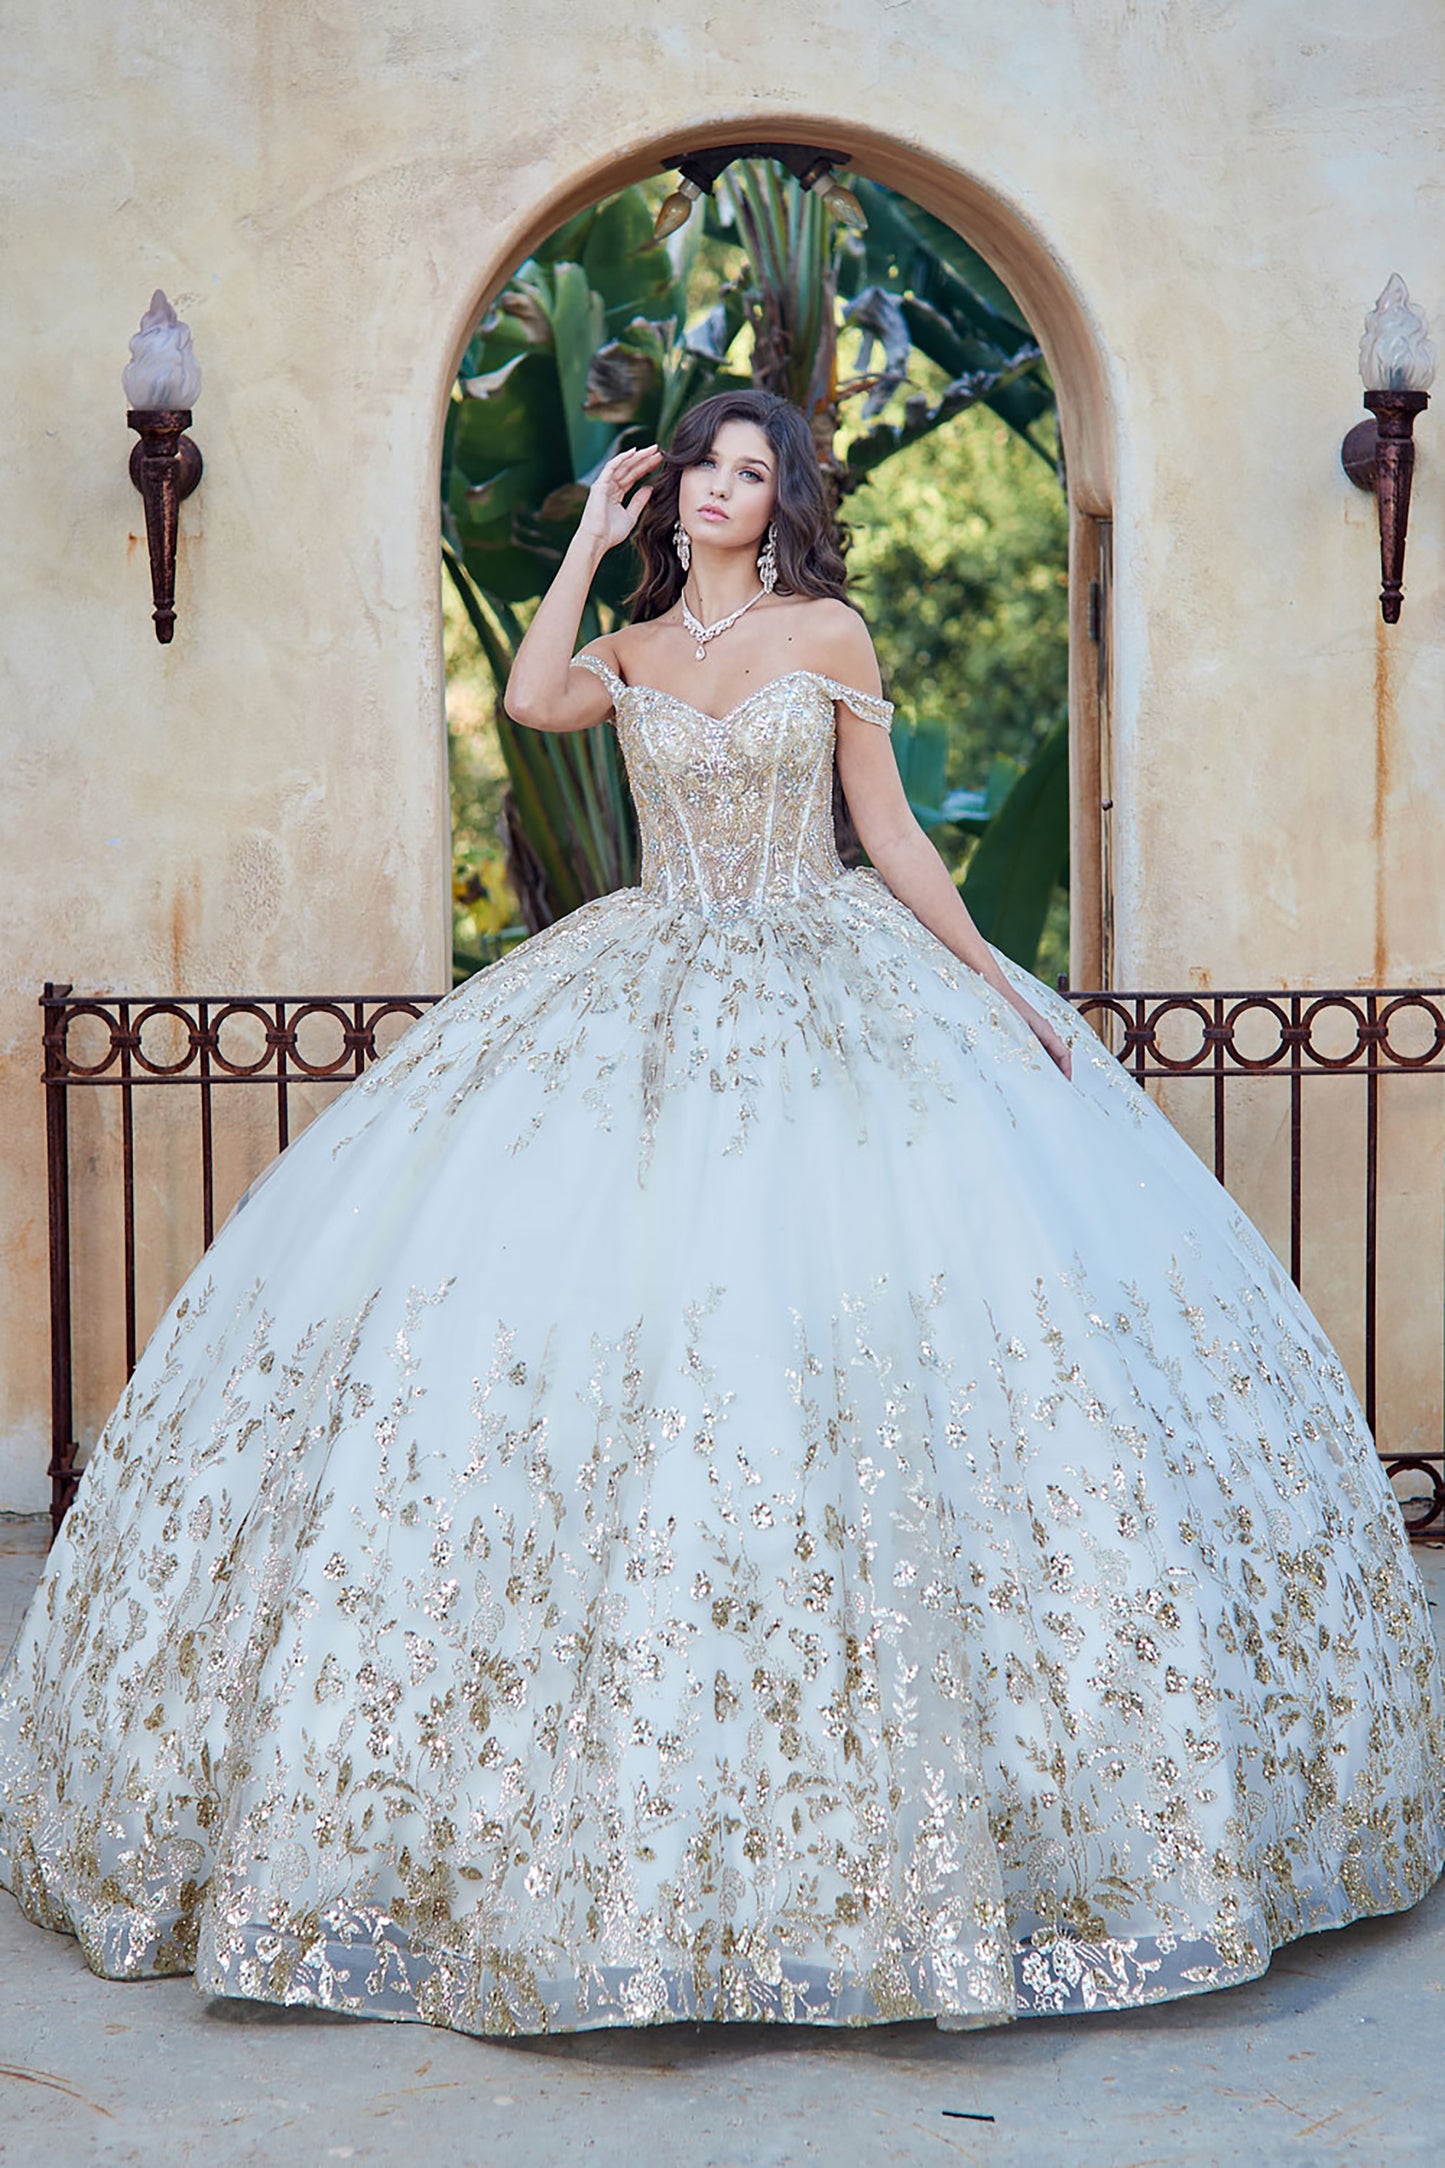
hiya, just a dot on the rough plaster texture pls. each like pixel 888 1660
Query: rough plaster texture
pixel 1197 204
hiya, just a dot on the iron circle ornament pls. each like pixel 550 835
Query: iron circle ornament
pixel 194 1038
pixel 73 1065
pixel 229 1013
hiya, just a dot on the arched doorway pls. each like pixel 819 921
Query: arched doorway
pixel 1059 320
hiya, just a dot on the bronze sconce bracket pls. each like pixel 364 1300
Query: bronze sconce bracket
pixel 1379 455
pixel 699 171
pixel 165 467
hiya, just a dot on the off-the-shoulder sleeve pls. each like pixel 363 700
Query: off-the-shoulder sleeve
pixel 868 705
pixel 599 668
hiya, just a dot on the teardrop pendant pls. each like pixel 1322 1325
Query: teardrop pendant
pixel 703 633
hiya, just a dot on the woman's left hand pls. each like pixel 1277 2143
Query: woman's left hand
pixel 1057 1049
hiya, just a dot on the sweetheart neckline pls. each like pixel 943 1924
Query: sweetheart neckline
pixel 636 686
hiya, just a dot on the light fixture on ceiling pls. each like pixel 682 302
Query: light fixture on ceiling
pixel 698 172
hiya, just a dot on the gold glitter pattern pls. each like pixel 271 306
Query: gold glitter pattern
pixel 736 810
pixel 714 1483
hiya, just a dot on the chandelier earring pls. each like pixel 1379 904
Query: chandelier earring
pixel 682 543
pixel 768 559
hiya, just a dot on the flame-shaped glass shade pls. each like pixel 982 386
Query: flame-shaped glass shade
pixel 841 201
pixel 675 210
pixel 1395 352
pixel 162 371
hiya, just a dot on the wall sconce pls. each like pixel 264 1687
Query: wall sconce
pixel 1397 363
pixel 162 382
pixel 699 171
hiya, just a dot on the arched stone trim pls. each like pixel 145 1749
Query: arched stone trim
pixel 1078 362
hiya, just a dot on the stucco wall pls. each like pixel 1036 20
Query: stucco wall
pixel 1209 194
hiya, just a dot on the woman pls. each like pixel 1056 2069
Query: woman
pixel 744 1470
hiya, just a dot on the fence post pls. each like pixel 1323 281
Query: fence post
pixel 62 1471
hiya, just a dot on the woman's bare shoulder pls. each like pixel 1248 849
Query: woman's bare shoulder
pixel 631 645
pixel 840 645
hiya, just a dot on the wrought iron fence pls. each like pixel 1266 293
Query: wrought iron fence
pixel 279 1044
pixel 1292 1038
pixel 203 1045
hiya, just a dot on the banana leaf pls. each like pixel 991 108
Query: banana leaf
pixel 956 310
pixel 578 329
pixel 921 751
pixel 569 789
pixel 921 417
pixel 908 242
pixel 613 244
pixel 972 810
pixel 1023 853
pixel 790 299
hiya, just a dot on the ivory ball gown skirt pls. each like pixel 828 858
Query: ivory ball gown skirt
pixel 715 1483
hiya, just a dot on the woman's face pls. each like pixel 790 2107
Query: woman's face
pixel 726 500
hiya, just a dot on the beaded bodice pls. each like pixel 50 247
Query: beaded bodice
pixel 735 811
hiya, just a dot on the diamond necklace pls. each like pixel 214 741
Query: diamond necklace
pixel 703 633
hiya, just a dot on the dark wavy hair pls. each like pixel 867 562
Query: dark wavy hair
pixel 810 562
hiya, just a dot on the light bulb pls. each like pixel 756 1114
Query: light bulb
pixel 841 201
pixel 675 210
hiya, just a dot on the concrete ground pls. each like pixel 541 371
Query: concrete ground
pixel 1335 2056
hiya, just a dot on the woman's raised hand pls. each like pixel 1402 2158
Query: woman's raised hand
pixel 608 517
pixel 543 691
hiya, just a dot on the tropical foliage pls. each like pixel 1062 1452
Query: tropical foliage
pixel 599 341
pixel 961 568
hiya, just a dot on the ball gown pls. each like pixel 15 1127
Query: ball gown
pixel 715 1483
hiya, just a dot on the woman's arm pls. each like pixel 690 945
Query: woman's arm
pixel 899 849
pixel 543 690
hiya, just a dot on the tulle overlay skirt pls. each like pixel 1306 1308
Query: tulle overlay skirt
pixel 714 1483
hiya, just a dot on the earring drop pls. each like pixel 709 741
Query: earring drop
pixel 768 559
pixel 682 543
